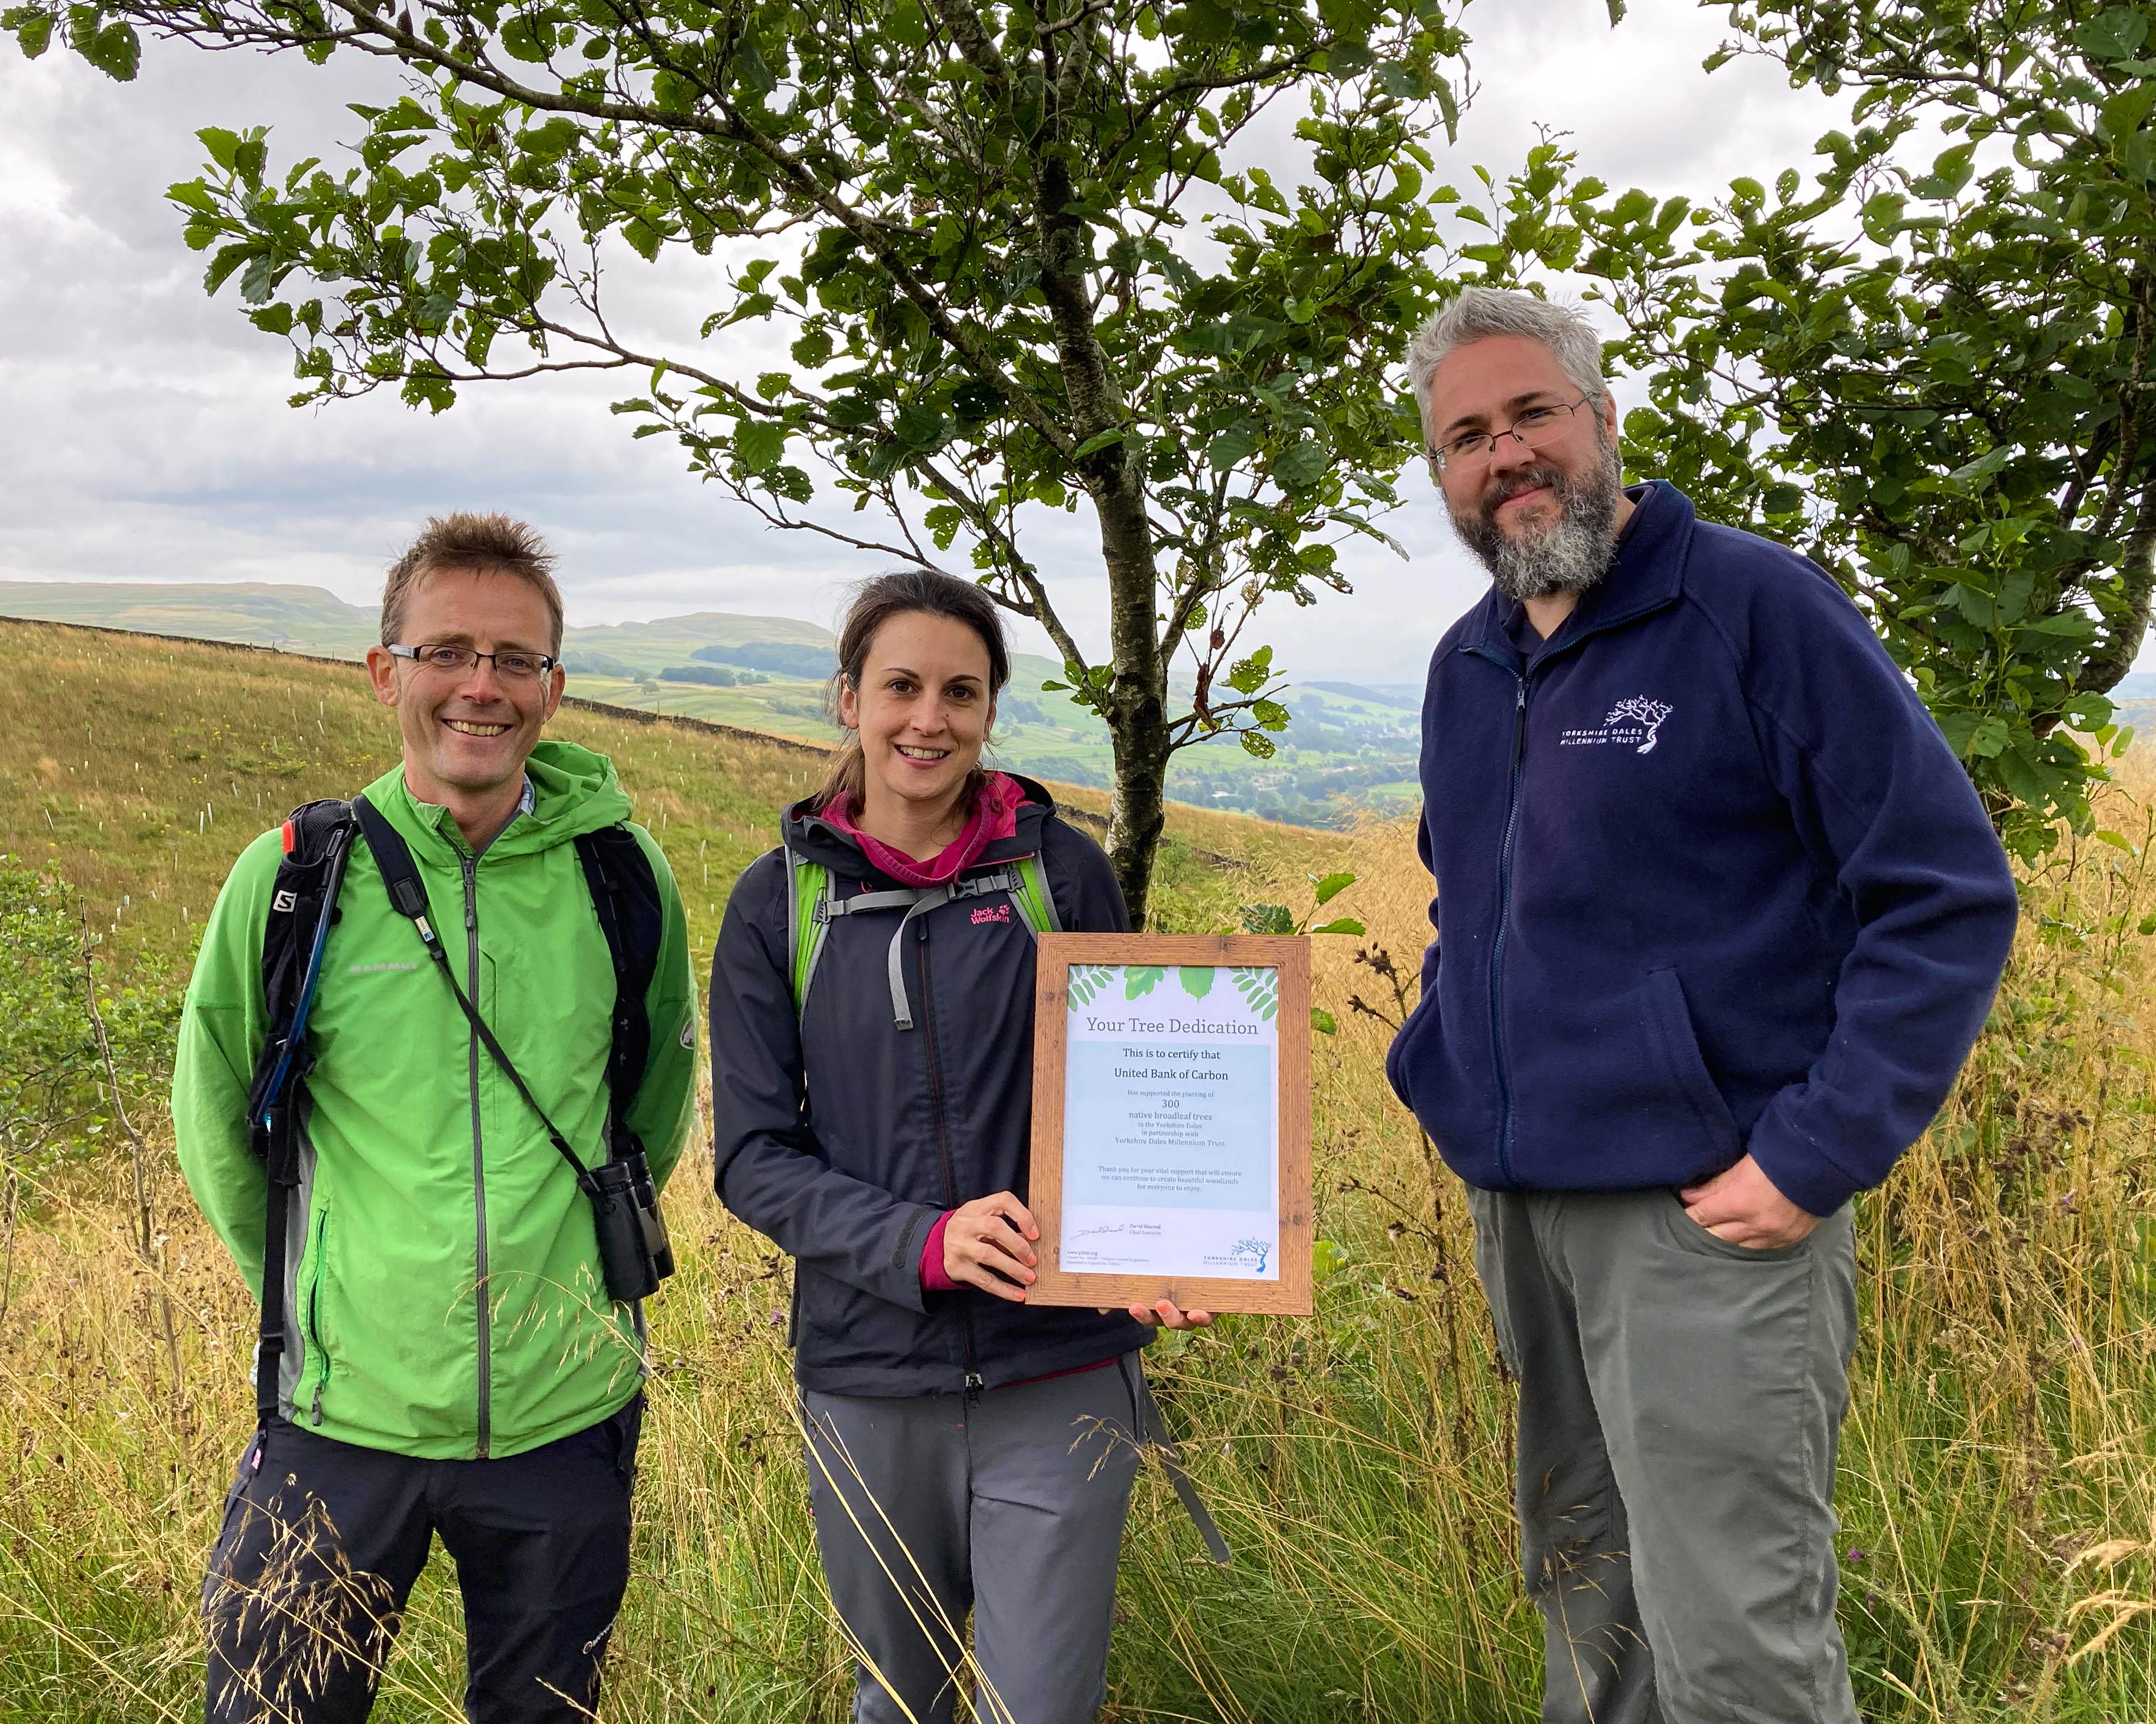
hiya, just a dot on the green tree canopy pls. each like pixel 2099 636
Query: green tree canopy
pixel 1008 248
pixel 1929 367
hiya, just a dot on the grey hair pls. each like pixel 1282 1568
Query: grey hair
pixel 1480 311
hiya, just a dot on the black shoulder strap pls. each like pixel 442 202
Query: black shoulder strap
pixel 302 906
pixel 408 895
pixel 318 838
pixel 625 895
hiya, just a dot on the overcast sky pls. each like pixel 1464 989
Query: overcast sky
pixel 145 436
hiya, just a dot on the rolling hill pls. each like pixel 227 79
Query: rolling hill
pixel 1348 747
pixel 140 768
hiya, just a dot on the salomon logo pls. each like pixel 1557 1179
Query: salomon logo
pixel 284 903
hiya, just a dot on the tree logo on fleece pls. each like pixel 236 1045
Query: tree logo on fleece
pixel 1643 711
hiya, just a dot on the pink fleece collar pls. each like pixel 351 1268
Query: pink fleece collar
pixel 994 818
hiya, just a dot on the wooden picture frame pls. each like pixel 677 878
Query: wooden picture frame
pixel 1287 1290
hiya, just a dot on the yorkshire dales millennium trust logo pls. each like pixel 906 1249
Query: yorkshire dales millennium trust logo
pixel 1633 722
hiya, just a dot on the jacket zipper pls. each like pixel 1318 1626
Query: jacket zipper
pixel 943 1139
pixel 470 867
pixel 1498 945
pixel 314 1315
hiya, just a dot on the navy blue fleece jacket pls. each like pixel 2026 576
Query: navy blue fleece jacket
pixel 1709 880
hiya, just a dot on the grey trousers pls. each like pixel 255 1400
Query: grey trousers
pixel 1679 1401
pixel 1009 1503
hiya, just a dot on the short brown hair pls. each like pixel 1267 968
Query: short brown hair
pixel 491 544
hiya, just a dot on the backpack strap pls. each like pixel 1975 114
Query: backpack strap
pixel 302 906
pixel 625 897
pixel 810 908
pixel 1035 901
pixel 808 897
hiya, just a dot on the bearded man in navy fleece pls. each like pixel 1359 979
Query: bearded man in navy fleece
pixel 1718 916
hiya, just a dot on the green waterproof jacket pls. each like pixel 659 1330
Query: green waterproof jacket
pixel 442 1285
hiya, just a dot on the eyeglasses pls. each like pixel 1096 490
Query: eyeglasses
pixel 511 666
pixel 1534 428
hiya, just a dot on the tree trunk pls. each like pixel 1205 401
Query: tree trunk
pixel 1136 810
pixel 1138 699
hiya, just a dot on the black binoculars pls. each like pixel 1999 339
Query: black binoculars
pixel 634 1254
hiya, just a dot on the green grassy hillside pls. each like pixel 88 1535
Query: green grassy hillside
pixel 1347 749
pixel 139 768
pixel 299 619
pixel 1997 1472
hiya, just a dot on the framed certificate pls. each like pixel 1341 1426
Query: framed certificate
pixel 1171 1121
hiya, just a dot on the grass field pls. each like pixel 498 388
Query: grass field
pixel 1999 1469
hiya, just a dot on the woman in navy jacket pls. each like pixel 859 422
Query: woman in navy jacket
pixel 966 1450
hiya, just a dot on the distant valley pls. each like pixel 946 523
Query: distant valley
pixel 1349 746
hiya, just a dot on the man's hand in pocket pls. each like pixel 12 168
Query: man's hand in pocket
pixel 1741 1204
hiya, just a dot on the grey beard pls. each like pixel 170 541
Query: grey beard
pixel 1569 557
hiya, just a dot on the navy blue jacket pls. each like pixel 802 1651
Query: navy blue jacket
pixel 1709 880
pixel 842 1138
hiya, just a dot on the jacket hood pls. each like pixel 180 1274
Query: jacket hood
pixel 814 839
pixel 574 792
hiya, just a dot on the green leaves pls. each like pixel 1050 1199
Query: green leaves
pixel 107 42
pixel 2116 34
pixel 1917 376
pixel 1330 886
pixel 991 300
pixel 32 27
pixel 759 444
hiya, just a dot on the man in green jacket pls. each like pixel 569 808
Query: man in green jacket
pixel 453 1364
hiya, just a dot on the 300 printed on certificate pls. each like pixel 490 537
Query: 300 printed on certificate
pixel 1171 1121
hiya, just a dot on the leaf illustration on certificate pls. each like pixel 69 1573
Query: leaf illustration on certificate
pixel 1197 983
pixel 1260 990
pixel 1088 982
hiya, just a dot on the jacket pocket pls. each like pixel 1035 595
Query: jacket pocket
pixel 311 1301
pixel 1611 1093
pixel 1688 1075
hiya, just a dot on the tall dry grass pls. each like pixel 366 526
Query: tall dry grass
pixel 1998 1472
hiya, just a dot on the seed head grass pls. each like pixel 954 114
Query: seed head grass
pixel 1998 1471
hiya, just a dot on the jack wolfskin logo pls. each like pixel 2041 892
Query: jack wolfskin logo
pixel 991 913
pixel 1634 722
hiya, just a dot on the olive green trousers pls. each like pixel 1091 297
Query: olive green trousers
pixel 1679 1401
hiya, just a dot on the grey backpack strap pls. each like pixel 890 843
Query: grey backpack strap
pixel 1152 1432
pixel 807 944
pixel 913 902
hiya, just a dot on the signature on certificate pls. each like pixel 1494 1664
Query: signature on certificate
pixel 1121 1226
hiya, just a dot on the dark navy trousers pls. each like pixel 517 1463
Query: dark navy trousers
pixel 322 1541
